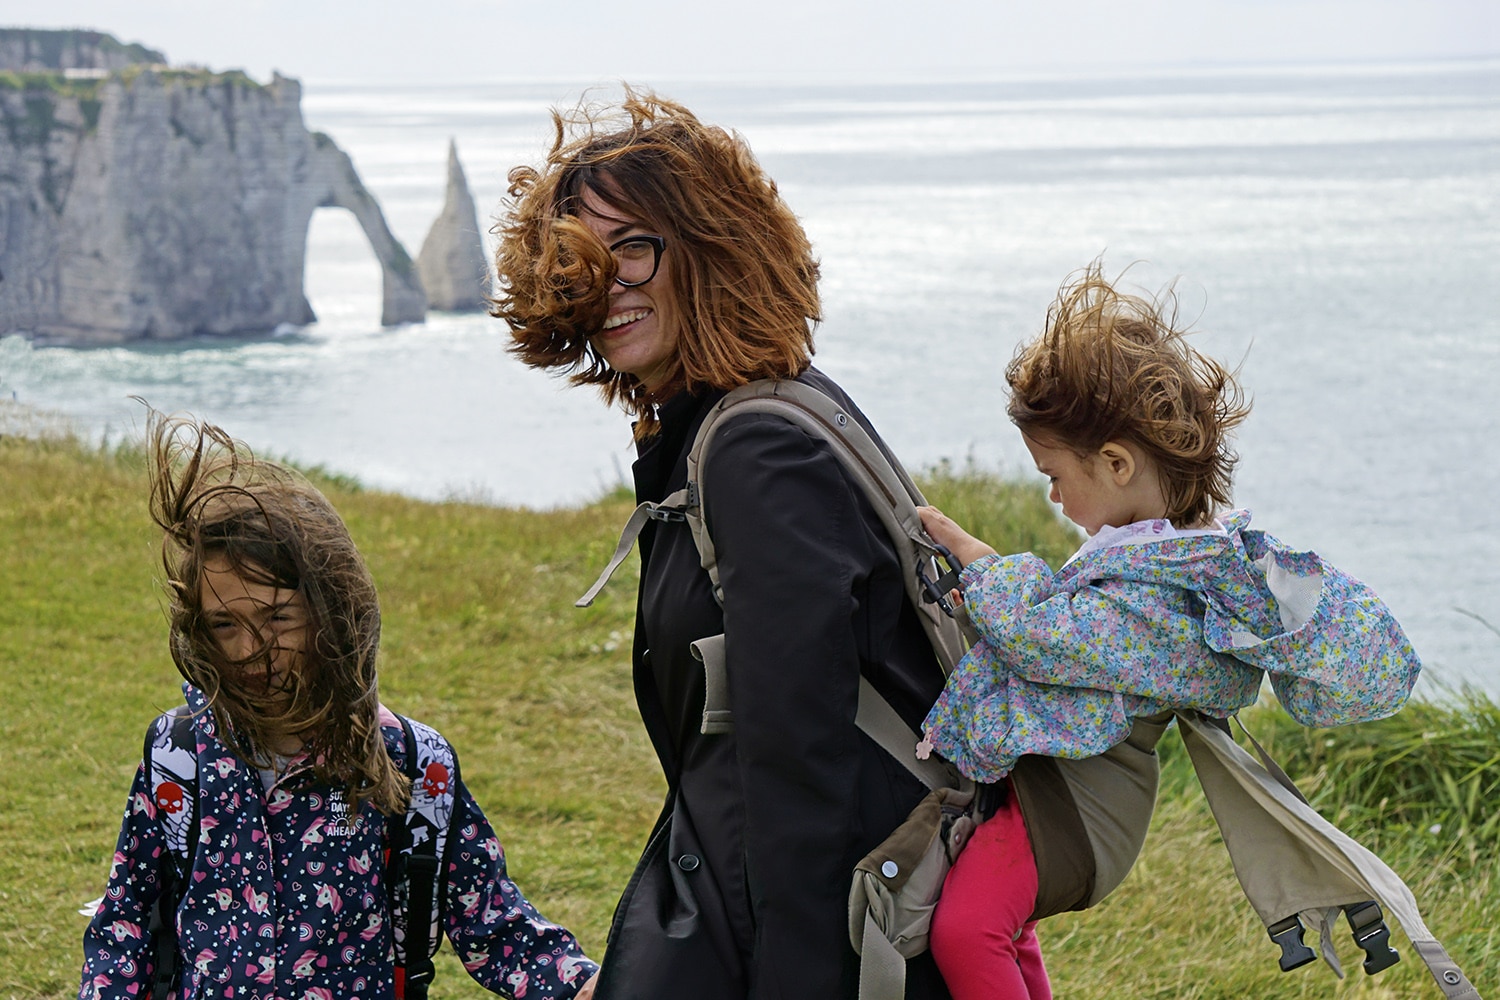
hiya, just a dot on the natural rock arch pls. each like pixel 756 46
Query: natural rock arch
pixel 160 204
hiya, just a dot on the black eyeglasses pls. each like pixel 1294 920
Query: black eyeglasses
pixel 637 259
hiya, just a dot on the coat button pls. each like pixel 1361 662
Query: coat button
pixel 889 869
pixel 688 862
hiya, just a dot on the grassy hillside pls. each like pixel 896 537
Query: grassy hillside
pixel 482 641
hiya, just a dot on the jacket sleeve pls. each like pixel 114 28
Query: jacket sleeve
pixel 1114 637
pixel 118 954
pixel 793 552
pixel 505 944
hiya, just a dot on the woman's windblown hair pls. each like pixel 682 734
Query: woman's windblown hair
pixel 216 503
pixel 743 276
pixel 1115 367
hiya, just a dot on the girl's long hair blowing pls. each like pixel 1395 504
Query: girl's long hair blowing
pixel 1116 367
pixel 216 503
pixel 741 266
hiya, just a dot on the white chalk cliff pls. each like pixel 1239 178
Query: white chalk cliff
pixel 159 203
pixel 452 264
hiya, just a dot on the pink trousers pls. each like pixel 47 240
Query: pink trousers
pixel 982 939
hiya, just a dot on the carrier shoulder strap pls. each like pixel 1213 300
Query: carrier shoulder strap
pixel 1295 865
pixel 170 757
pixel 891 492
pixel 894 497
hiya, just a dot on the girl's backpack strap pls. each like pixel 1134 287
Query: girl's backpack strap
pixel 170 757
pixel 171 761
pixel 413 862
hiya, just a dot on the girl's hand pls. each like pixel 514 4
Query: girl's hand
pixel 587 992
pixel 946 532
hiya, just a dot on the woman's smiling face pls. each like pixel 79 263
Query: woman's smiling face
pixel 640 333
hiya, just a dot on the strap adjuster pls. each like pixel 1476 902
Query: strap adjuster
pixel 1367 922
pixel 1288 934
pixel 670 514
pixel 936 591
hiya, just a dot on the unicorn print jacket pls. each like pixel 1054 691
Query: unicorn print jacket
pixel 285 897
pixel 1144 619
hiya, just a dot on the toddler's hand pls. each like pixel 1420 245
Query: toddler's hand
pixel 586 992
pixel 946 532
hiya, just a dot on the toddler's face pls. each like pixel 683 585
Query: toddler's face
pixel 244 616
pixel 1088 496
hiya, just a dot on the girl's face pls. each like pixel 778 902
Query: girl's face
pixel 243 616
pixel 1089 488
pixel 640 333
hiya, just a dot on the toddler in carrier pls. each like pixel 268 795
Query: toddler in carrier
pixel 266 812
pixel 1173 601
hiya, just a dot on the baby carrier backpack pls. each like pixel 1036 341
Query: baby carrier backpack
pixel 1292 864
pixel 412 856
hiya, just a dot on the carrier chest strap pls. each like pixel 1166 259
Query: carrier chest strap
pixel 875 717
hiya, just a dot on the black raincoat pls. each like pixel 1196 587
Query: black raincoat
pixel 743 887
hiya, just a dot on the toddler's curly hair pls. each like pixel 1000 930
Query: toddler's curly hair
pixel 1116 367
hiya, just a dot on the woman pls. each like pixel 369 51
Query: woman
pixel 652 257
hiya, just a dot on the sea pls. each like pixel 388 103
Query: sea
pixel 1331 230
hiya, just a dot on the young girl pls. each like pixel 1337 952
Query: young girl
pixel 1172 602
pixel 295 793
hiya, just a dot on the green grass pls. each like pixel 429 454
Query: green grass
pixel 481 640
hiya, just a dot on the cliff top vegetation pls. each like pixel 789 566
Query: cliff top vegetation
pixel 86 87
pixel 61 48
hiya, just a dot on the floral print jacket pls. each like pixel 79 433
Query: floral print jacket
pixel 286 895
pixel 1151 619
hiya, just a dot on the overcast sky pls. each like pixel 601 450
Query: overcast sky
pixel 771 40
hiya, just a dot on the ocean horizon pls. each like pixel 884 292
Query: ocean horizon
pixel 1334 231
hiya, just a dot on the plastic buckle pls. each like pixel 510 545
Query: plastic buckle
pixel 936 591
pixel 666 513
pixel 1367 923
pixel 1288 934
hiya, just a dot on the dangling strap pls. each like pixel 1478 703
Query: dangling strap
pixel 882 969
pixel 673 508
pixel 1291 861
